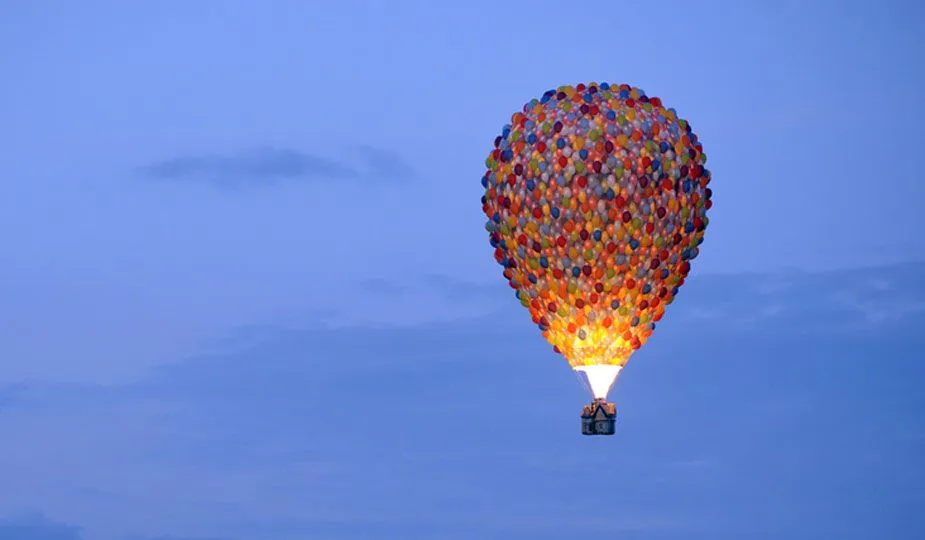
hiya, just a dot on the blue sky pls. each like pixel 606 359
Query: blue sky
pixel 222 223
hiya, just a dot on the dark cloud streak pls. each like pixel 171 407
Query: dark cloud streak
pixel 386 164
pixel 270 165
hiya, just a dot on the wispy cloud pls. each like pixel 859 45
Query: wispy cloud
pixel 9 393
pixel 838 300
pixel 266 165
pixel 36 526
pixel 271 165
pixel 881 308
pixel 449 288
pixel 385 287
pixel 385 164
pixel 177 538
pixel 843 300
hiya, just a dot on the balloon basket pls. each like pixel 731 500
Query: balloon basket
pixel 599 418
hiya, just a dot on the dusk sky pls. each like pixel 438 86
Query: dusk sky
pixel 246 292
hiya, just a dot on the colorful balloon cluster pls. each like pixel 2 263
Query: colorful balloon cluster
pixel 596 197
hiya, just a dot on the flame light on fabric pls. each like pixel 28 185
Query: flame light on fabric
pixel 596 197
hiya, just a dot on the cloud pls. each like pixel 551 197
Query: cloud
pixel 844 300
pixel 35 526
pixel 178 538
pixel 312 432
pixel 9 394
pixel 455 289
pixel 385 164
pixel 468 428
pixel 385 287
pixel 269 165
pixel 449 288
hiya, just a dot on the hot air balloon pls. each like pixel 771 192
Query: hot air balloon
pixel 596 197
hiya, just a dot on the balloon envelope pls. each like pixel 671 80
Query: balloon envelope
pixel 596 197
